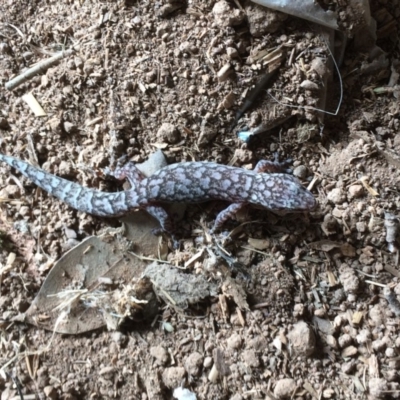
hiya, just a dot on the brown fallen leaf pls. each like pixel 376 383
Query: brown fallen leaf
pixel 74 281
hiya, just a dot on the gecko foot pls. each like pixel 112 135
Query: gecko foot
pixel 275 166
pixel 127 171
pixel 166 224
pixel 226 214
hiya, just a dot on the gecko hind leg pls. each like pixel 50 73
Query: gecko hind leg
pixel 226 214
pixel 166 224
pixel 127 171
pixel 275 166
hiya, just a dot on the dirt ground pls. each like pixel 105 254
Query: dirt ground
pixel 300 306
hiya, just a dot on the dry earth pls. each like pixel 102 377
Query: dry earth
pixel 304 306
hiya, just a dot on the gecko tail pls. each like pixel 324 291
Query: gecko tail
pixel 83 199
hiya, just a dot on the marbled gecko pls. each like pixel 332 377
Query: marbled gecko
pixel 268 186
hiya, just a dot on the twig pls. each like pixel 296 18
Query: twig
pixel 41 67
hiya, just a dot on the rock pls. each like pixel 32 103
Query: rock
pixel 234 341
pixel 318 65
pixel 4 123
pixel 119 338
pixel 5 48
pixel 232 53
pixel 364 336
pixel 355 191
pixel 377 387
pixel 361 227
pixel 380 344
pixel 347 367
pixel 193 364
pixel 302 339
pixel 168 133
pixel 208 362
pixel 69 127
pixel 336 196
pixel 181 393
pixel 301 172
pixel 349 351
pixel 329 225
pixel 309 85
pixel 263 20
pixel 107 371
pixel 173 376
pixel 50 392
pixel 65 169
pixel 348 279
pixel 331 341
pixel 224 72
pixel 250 358
pixel 285 388
pixel 160 354
pixel 237 396
pixel 225 15
pixel 344 340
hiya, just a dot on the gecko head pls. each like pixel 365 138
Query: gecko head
pixel 287 194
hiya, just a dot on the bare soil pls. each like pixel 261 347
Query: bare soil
pixel 305 306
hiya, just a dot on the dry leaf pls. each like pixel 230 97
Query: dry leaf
pixel 75 276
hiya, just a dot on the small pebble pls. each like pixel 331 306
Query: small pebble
pixel 377 388
pixel 226 15
pixel 329 225
pixel 234 341
pixel 70 233
pixel 301 172
pixel 173 376
pixel 5 48
pixel 309 85
pixel 347 367
pixel 355 191
pixel 3 123
pixel 24 211
pixel 160 354
pixel 348 279
pixel 302 339
pixel 50 392
pixel 193 364
pixel 69 127
pixel 208 362
pixel 364 336
pixel 331 341
pixel 78 62
pixel 168 133
pixel 390 352
pixel 380 344
pixel 285 388
pixel 232 53
pixel 336 196
pixel 224 72
pixel 361 227
pixel 250 358
pixel 349 351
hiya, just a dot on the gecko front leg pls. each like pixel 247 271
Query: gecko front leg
pixel 166 224
pixel 130 172
pixel 226 214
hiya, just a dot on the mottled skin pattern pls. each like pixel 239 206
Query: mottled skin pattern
pixel 267 186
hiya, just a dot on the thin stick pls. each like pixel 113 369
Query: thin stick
pixel 41 67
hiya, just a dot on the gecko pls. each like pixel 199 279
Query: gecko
pixel 268 186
